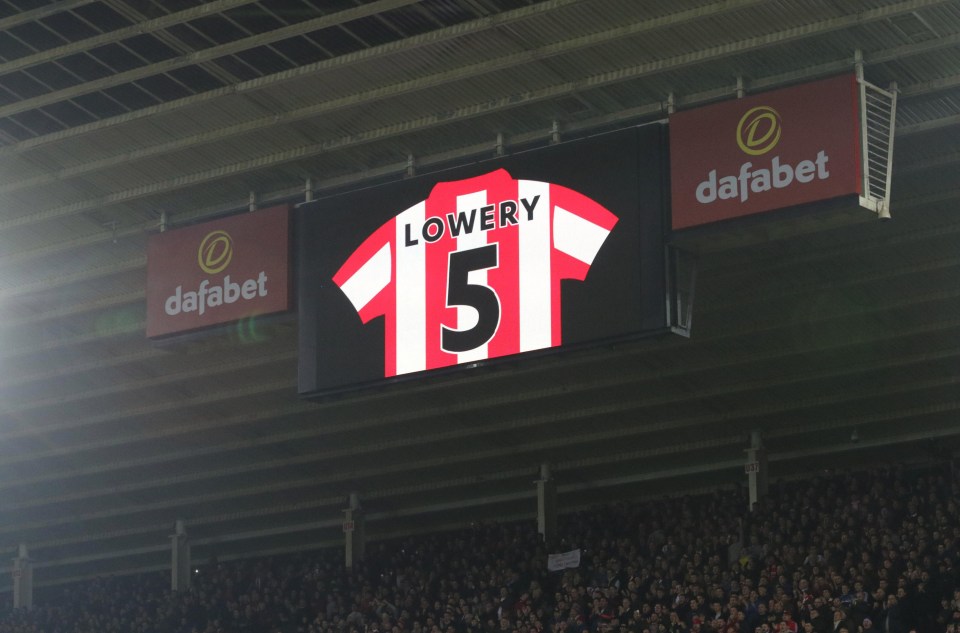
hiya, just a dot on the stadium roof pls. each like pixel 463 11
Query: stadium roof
pixel 115 112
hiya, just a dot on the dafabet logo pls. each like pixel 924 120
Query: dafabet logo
pixel 215 252
pixel 773 150
pixel 758 133
pixel 214 255
pixel 216 272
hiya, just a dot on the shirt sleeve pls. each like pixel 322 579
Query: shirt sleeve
pixel 580 227
pixel 367 272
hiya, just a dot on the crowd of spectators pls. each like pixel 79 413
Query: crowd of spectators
pixel 873 552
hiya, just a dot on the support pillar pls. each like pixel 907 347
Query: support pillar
pixel 756 469
pixel 546 504
pixel 22 580
pixel 353 532
pixel 179 558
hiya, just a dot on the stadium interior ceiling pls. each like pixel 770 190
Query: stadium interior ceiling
pixel 842 347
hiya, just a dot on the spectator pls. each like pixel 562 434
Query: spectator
pixel 878 549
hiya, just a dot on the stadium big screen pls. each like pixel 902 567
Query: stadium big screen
pixel 550 249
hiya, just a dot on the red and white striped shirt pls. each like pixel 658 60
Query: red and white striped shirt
pixel 473 272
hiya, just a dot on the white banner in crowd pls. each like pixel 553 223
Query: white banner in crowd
pixel 566 560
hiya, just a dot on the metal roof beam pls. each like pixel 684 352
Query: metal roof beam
pixel 14 258
pixel 73 309
pixel 528 423
pixel 92 364
pixel 112 37
pixel 930 162
pixel 137 296
pixel 82 275
pixel 40 12
pixel 927 126
pixel 334 502
pixel 8 258
pixel 379 93
pixel 372 423
pixel 510 101
pixel 204 55
pixel 631 114
pixel 924 88
pixel 514 450
pixel 432 37
pixel 719 465
pixel 257 361
pixel 125 9
pixel 447 484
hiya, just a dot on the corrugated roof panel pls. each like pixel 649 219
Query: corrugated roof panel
pixel 164 87
pixel 102 15
pixel 253 18
pixel 68 26
pixel 300 50
pixel 921 110
pixel 22 85
pixel 53 76
pixel 36 36
pixel 925 67
pixel 100 105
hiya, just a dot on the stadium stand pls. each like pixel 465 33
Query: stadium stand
pixel 869 552
pixel 121 120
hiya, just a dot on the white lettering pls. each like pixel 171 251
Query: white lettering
pixel 744 175
pixel 804 171
pixel 231 291
pixel 203 294
pixel 782 174
pixel 466 221
pixel 210 295
pixel 707 190
pixel 728 188
pixel 749 180
pixel 172 305
pixel 189 301
pixel 821 161
pixel 760 181
pixel 215 298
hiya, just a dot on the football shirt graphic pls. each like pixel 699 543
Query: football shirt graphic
pixel 473 272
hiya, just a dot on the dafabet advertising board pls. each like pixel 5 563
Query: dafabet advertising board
pixel 768 151
pixel 217 272
pixel 557 247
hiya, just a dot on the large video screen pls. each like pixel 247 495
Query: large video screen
pixel 545 250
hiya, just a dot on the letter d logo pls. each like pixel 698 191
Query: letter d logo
pixel 215 252
pixel 758 131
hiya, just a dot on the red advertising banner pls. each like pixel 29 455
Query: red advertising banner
pixel 768 151
pixel 219 271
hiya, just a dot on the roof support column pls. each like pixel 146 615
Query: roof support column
pixel 546 504
pixel 179 558
pixel 22 579
pixel 354 536
pixel 756 469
